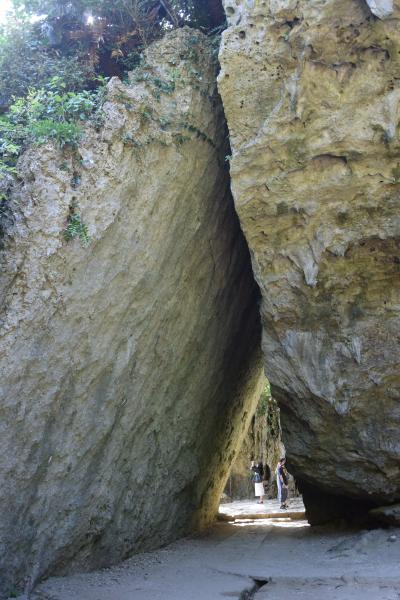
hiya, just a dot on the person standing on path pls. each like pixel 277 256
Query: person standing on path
pixel 258 476
pixel 282 480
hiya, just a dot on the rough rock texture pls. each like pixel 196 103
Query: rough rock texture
pixel 130 367
pixel 311 92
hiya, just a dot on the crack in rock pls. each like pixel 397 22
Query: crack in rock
pixel 248 594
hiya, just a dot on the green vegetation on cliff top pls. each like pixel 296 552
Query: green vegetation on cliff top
pixel 55 57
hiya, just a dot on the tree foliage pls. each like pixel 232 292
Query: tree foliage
pixel 79 39
pixel 48 113
pixel 54 53
pixel 27 59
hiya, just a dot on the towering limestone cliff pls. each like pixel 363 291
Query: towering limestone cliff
pixel 311 92
pixel 130 366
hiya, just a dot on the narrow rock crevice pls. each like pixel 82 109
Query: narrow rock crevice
pixel 249 594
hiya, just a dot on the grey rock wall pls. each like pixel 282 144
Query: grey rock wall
pixel 129 367
pixel 312 98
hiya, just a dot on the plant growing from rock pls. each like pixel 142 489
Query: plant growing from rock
pixel 48 113
pixel 76 228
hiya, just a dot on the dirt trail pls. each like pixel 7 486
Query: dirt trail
pixel 261 559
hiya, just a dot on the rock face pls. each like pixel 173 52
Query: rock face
pixel 130 366
pixel 311 92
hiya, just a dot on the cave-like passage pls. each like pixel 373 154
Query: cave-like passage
pixel 261 444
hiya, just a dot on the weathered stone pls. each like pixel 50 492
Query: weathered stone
pixel 311 92
pixel 130 366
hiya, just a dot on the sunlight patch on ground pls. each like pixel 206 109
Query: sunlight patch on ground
pixel 288 523
pixel 251 507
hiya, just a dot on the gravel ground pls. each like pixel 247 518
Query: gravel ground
pixel 264 559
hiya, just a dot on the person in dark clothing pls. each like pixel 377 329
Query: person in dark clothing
pixel 258 477
pixel 282 480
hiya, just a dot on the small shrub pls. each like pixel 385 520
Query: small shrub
pixel 65 134
pixel 180 139
pixel 163 85
pixel 146 113
pixel 76 228
pixel 48 113
pixel 129 140
pixel 27 60
pixel 6 169
pixel 396 173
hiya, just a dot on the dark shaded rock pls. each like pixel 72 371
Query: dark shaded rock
pixel 323 508
pixel 388 515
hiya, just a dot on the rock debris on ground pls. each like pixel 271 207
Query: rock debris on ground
pixel 296 561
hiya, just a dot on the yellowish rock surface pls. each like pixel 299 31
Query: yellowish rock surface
pixel 130 366
pixel 311 92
